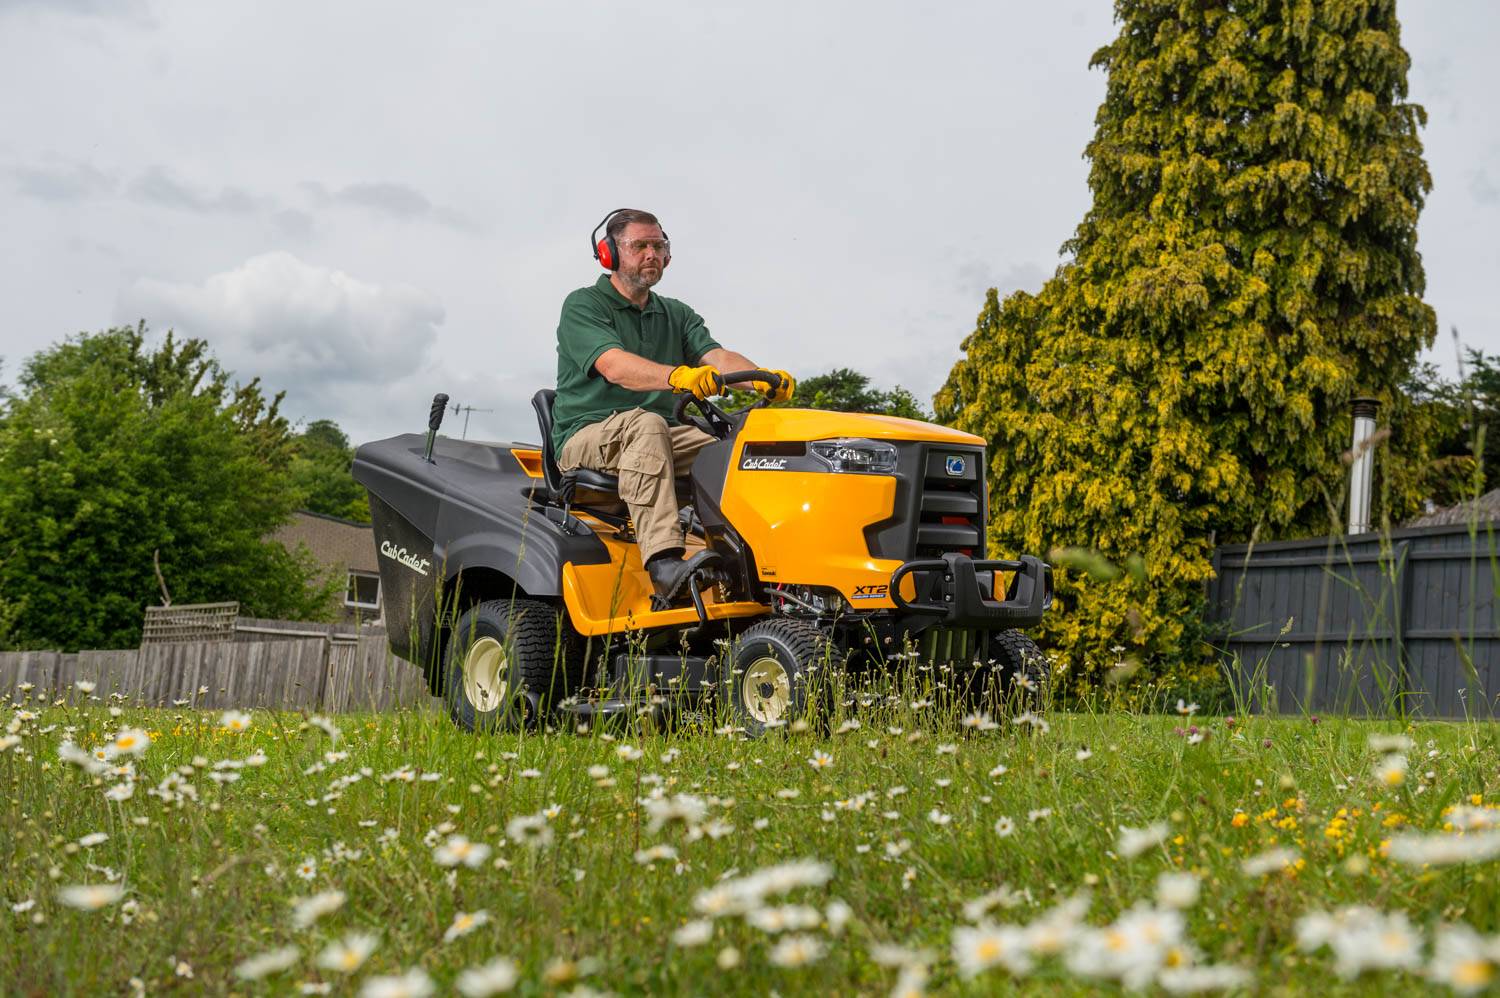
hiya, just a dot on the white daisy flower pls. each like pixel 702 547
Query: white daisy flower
pixel 413 984
pixel 265 964
pixel 797 951
pixel 349 953
pixel 459 850
pixel 694 933
pixel 495 977
pixel 465 922
pixel 235 720
pixel 90 897
pixel 306 911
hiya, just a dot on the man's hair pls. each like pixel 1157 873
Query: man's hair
pixel 624 217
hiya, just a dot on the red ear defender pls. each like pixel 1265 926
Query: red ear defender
pixel 605 250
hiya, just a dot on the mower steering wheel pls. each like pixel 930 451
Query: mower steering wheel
pixel 715 421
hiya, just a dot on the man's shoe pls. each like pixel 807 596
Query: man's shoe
pixel 670 575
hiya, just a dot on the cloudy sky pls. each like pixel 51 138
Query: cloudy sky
pixel 367 203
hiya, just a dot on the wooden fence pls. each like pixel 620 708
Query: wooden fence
pixel 1366 624
pixel 316 674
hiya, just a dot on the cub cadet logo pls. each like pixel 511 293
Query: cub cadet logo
pixel 763 464
pixel 869 592
pixel 955 465
pixel 411 561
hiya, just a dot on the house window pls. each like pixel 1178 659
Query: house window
pixel 364 591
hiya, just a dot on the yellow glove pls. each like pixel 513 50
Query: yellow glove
pixel 701 381
pixel 781 394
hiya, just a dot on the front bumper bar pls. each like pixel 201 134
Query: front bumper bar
pixel 949 587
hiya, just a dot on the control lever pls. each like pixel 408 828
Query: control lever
pixel 434 420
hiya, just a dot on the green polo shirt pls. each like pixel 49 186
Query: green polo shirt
pixel 599 318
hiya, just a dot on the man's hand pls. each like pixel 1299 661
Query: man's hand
pixel 701 381
pixel 782 392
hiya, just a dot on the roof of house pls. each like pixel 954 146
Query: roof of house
pixel 332 540
pixel 1481 510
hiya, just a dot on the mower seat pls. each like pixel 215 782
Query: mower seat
pixel 562 484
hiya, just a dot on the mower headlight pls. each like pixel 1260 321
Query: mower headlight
pixel 856 454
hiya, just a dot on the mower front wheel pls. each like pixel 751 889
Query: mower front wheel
pixel 1023 668
pixel 772 672
pixel 500 665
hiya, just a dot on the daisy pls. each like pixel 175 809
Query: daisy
pixel 235 720
pixel 998 772
pixel 1004 827
pixel 531 830
pixel 495 977
pixel 797 951
pixel 1391 770
pixel 264 964
pixel 1269 861
pixel 1039 814
pixel 1390 744
pixel 1177 890
pixel 130 741
pixel 458 849
pixel 306 911
pixel 307 869
pixel 1193 980
pixel 92 839
pixel 465 922
pixel 90 897
pixel 413 984
pixel 937 817
pixel 1134 841
pixel 694 933
pixel 348 954
pixel 977 949
pixel 820 760
pixel 1463 959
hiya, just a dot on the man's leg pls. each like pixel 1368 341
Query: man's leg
pixel 635 446
pixel 687 441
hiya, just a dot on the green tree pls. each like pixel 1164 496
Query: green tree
pixel 320 472
pixel 844 390
pixel 110 452
pixel 1248 266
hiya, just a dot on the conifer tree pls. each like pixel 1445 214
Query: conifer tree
pixel 1248 266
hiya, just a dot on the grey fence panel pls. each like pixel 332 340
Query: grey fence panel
pixel 331 673
pixel 1407 618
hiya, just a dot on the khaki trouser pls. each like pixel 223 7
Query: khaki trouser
pixel 645 453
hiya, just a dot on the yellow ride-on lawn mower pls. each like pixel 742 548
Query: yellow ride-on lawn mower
pixel 845 538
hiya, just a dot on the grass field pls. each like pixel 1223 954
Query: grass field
pixel 394 854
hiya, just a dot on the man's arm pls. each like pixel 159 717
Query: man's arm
pixel 632 371
pixel 728 360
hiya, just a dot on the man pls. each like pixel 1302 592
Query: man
pixel 622 351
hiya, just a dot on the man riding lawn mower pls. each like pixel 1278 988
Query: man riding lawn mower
pixel 655 548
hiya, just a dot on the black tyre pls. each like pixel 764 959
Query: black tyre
pixel 1023 670
pixel 503 665
pixel 773 674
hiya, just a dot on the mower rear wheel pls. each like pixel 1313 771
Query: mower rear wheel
pixel 500 668
pixel 769 674
pixel 1024 670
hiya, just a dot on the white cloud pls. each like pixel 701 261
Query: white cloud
pixel 341 347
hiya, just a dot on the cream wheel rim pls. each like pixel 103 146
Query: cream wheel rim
pixel 766 691
pixel 486 676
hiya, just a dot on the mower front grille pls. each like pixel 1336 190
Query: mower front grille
pixel 940 504
pixel 950 508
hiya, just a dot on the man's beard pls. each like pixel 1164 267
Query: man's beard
pixel 639 280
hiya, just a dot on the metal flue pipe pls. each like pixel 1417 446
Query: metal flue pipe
pixel 1362 469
